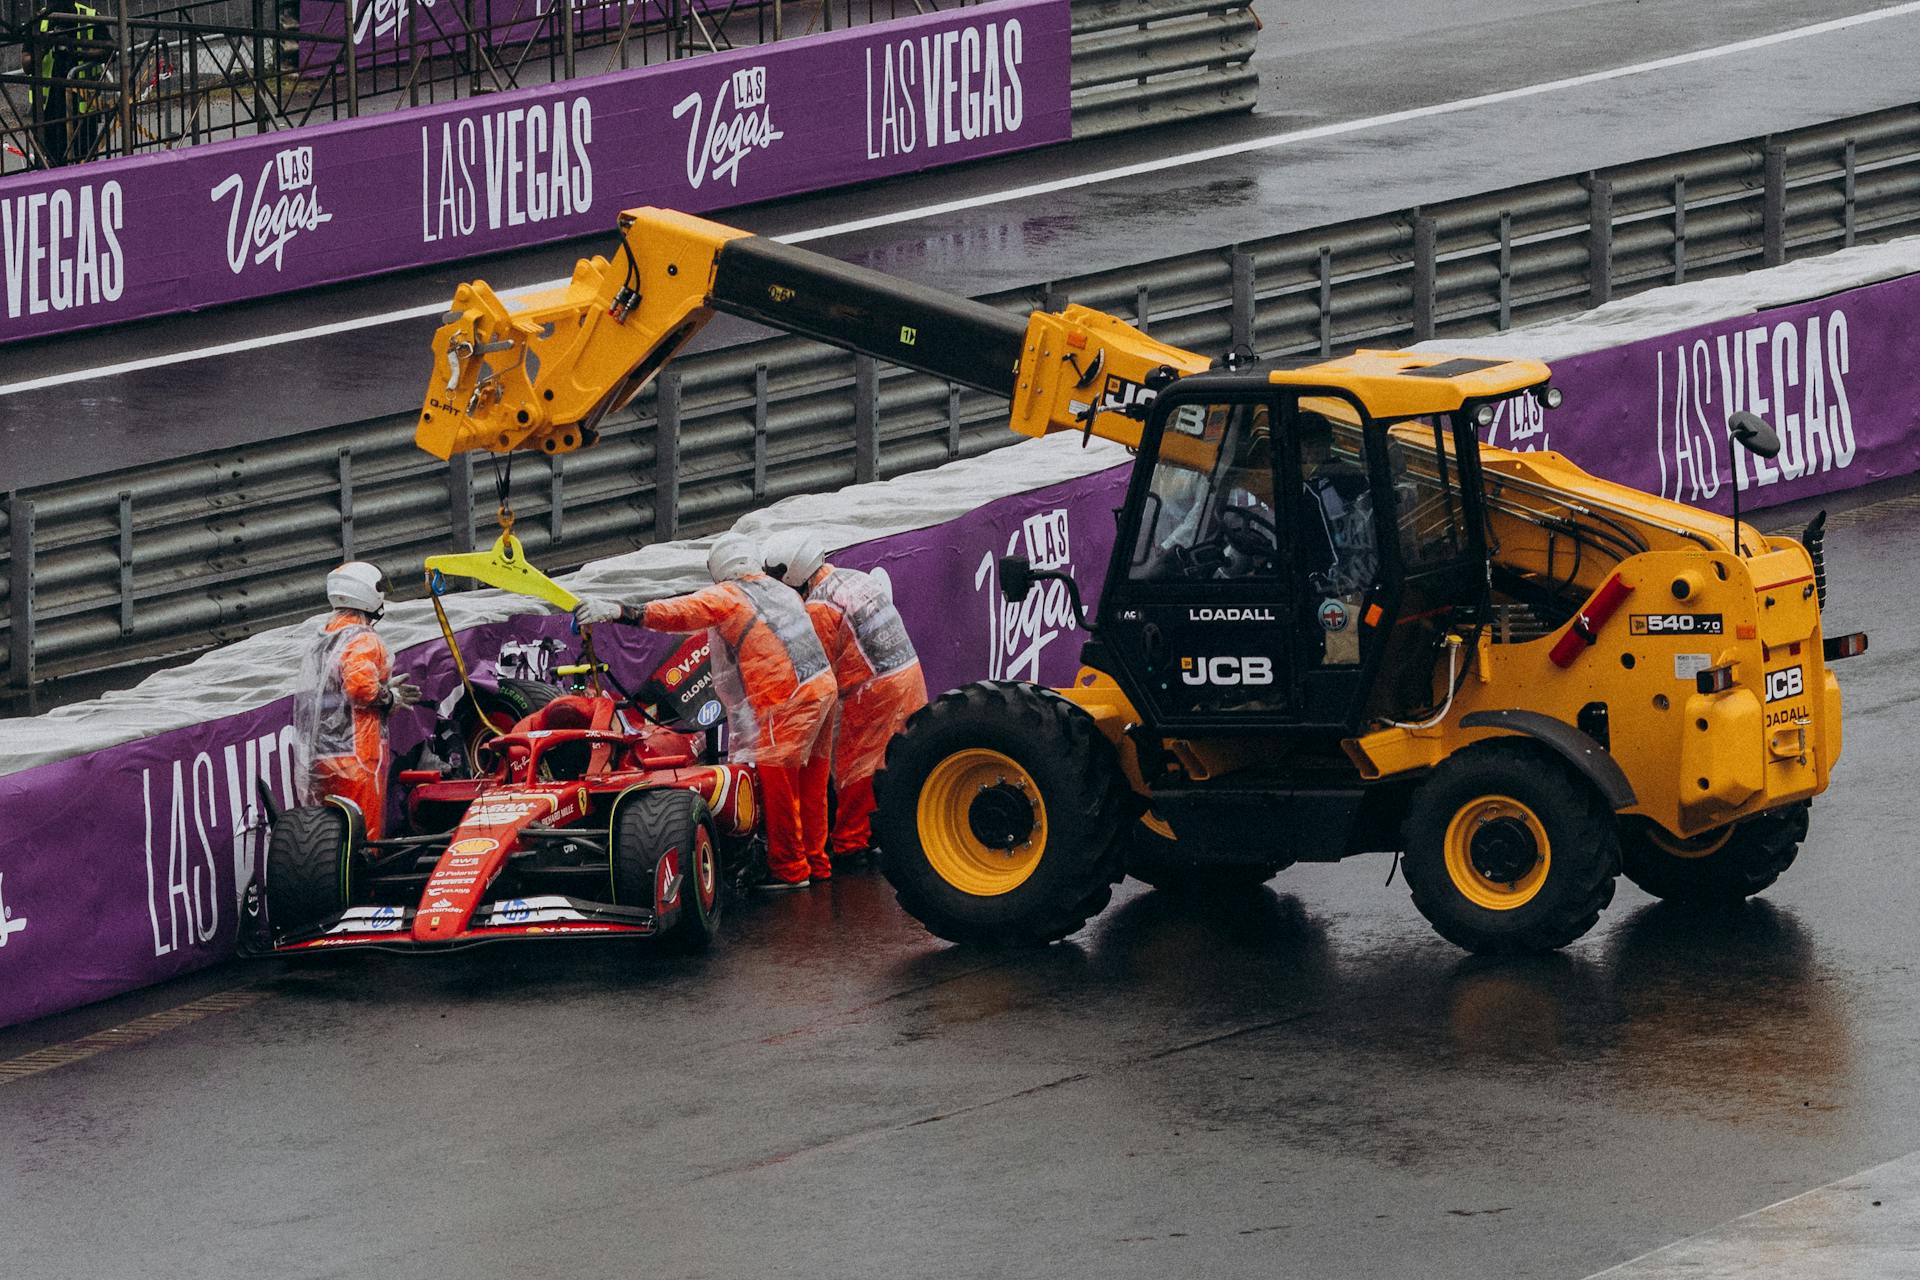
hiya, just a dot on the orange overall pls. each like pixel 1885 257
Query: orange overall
pixel 772 676
pixel 880 686
pixel 341 719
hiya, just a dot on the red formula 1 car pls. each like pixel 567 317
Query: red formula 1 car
pixel 594 815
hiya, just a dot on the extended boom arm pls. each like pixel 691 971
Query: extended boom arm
pixel 544 374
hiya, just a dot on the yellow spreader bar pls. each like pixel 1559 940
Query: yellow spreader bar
pixel 505 566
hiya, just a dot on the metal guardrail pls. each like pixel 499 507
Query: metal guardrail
pixel 1145 62
pixel 203 550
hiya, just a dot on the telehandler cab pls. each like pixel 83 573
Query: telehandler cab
pixel 1334 622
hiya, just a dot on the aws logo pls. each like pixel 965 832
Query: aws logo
pixel 1226 670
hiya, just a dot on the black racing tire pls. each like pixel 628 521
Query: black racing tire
pixel 311 858
pixel 1726 865
pixel 1508 851
pixel 503 707
pixel 652 825
pixel 1153 859
pixel 1026 767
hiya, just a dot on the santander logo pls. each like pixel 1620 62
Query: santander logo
pixel 738 123
pixel 1020 633
pixel 267 226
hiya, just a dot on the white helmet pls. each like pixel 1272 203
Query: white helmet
pixel 357 585
pixel 794 556
pixel 733 556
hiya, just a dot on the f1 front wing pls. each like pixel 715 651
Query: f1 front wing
pixel 390 928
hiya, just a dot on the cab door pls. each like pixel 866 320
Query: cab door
pixel 1197 614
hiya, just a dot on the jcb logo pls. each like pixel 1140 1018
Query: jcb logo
pixel 1784 684
pixel 1226 670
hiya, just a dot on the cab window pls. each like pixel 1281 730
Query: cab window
pixel 1426 484
pixel 1209 512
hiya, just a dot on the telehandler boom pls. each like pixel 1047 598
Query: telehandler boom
pixel 1334 621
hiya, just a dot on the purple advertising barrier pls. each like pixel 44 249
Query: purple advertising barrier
pixel 250 218
pixel 1833 376
pixel 140 881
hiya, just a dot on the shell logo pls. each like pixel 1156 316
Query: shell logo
pixel 673 677
pixel 473 845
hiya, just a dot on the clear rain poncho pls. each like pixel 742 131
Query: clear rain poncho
pixel 768 667
pixel 874 662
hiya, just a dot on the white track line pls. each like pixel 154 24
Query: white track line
pixel 1034 189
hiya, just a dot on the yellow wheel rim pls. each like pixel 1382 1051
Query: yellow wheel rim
pixel 1703 845
pixel 963 791
pixel 1470 877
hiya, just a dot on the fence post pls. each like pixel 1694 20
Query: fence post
pixel 346 502
pixel 20 587
pixel 565 10
pixel 759 432
pixel 1052 297
pixel 1141 302
pixel 1326 300
pixel 1679 228
pixel 666 457
pixel 556 496
pixel 460 500
pixel 1773 215
pixel 866 419
pixel 1847 195
pixel 352 55
pixel 126 562
pixel 1240 266
pixel 1506 269
pixel 259 57
pixel 1599 239
pixel 1423 270
pixel 953 420
pixel 123 37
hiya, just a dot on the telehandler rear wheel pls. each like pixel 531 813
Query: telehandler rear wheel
pixel 998 816
pixel 1508 851
pixel 1725 865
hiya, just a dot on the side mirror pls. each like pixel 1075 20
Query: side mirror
pixel 1016 578
pixel 1754 434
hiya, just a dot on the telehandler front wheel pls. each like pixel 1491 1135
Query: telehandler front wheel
pixel 1728 864
pixel 998 816
pixel 1508 851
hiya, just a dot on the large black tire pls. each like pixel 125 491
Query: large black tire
pixel 1509 851
pixel 1022 767
pixel 1727 865
pixel 651 826
pixel 311 858
pixel 504 707
pixel 1153 859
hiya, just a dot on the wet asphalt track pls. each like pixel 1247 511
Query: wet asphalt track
pixel 1302 1083
pixel 1320 64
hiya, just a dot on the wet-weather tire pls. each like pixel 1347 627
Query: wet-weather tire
pixel 1727 865
pixel 650 826
pixel 1509 851
pixel 1153 859
pixel 311 859
pixel 998 816
pixel 503 708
